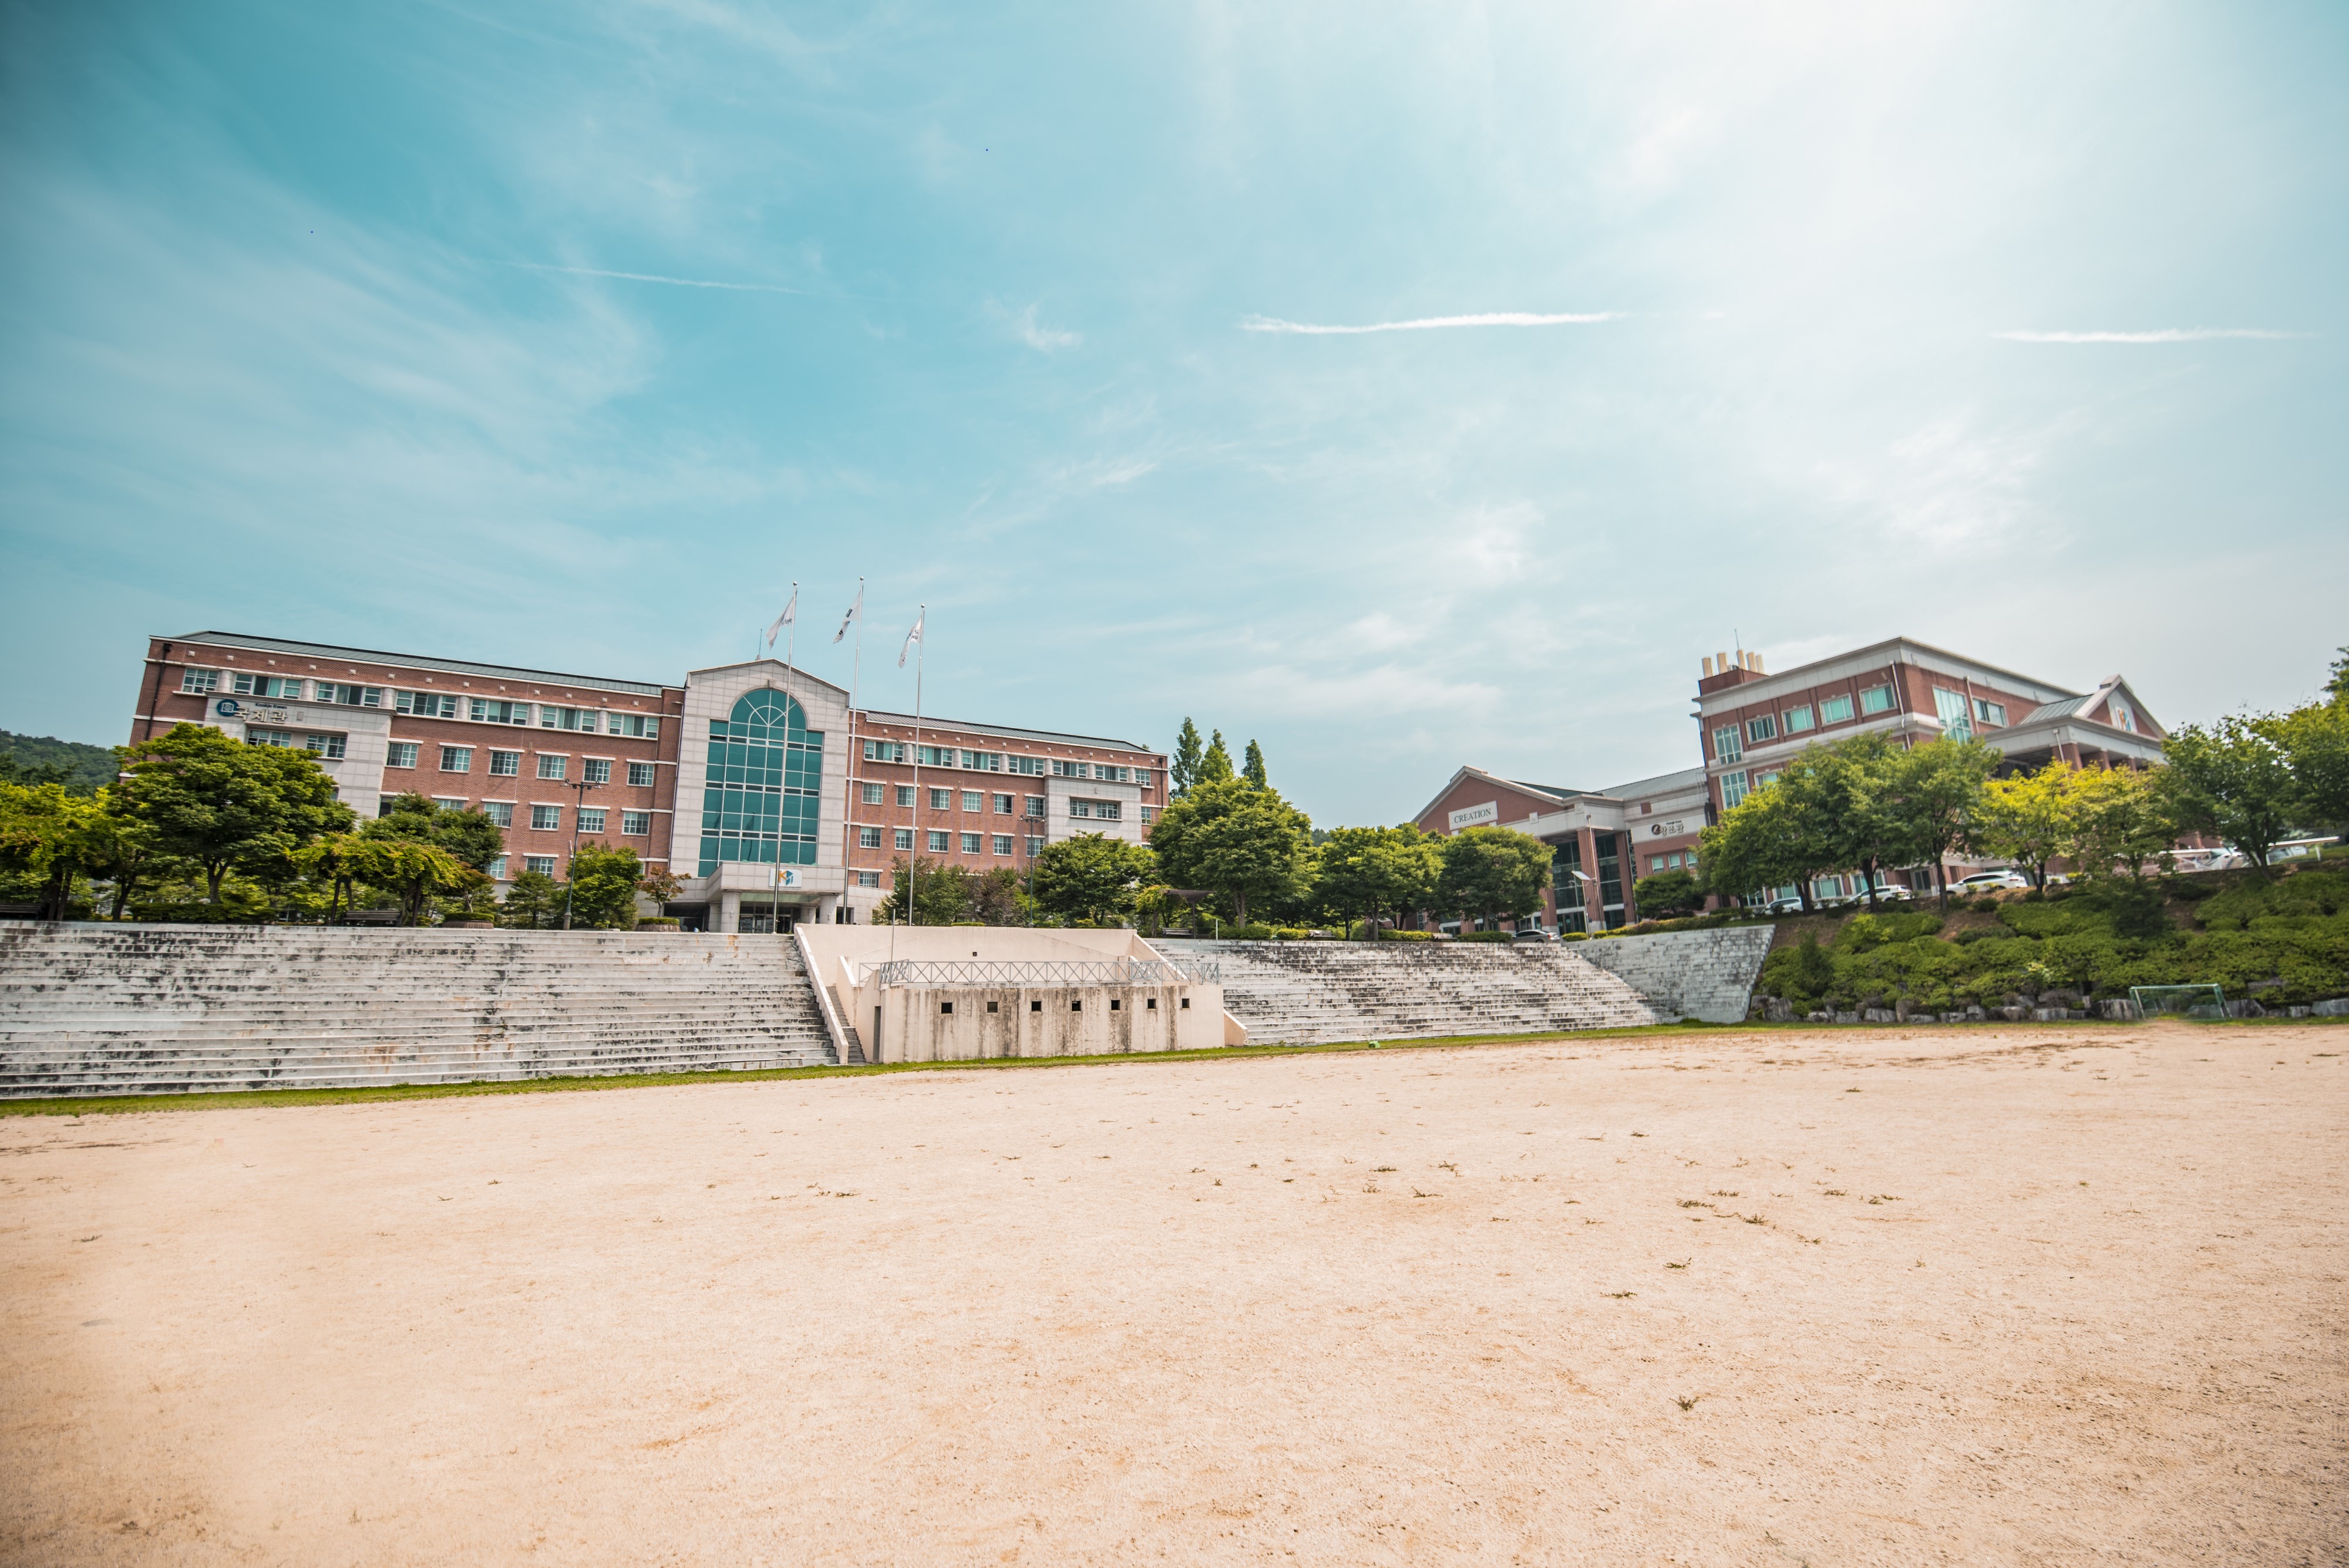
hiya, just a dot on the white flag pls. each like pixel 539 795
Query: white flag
pixel 791 614
pixel 912 637
pixel 853 611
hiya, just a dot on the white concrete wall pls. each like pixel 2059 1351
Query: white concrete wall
pixel 1707 975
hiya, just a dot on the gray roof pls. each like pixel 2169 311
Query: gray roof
pixel 2069 706
pixel 416 661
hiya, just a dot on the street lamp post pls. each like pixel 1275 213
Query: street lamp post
pixel 579 789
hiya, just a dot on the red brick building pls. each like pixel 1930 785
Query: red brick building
pixel 794 806
pixel 1601 841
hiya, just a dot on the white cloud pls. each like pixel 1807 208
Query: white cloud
pixel 1044 339
pixel 1425 323
pixel 2164 335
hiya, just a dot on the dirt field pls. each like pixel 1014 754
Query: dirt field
pixel 2032 1295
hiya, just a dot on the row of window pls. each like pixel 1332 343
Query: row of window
pixel 549 818
pixel 1735 787
pixel 940 842
pixel 1729 744
pixel 324 745
pixel 1003 763
pixel 1950 708
pixel 423 704
pixel 508 764
pixel 1675 860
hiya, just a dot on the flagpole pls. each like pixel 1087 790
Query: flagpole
pixel 848 790
pixel 922 650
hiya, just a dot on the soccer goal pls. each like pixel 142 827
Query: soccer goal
pixel 2184 1001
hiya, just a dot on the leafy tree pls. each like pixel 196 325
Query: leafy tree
pixel 1182 767
pixel 1231 837
pixel 603 888
pixel 1252 769
pixel 1777 835
pixel 1091 877
pixel 995 899
pixel 659 884
pixel 1215 767
pixel 226 805
pixel 1372 871
pixel 82 769
pixel 467 837
pixel 339 860
pixel 2316 741
pixel 1855 787
pixel 2337 688
pixel 2028 818
pixel 936 895
pixel 1493 872
pixel 1937 789
pixel 2120 816
pixel 534 903
pixel 1667 893
pixel 43 839
pixel 120 850
pixel 2235 780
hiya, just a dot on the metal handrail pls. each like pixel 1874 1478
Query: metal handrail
pixel 1044 972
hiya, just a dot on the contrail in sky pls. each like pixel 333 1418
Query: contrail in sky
pixel 657 277
pixel 1425 323
pixel 2165 334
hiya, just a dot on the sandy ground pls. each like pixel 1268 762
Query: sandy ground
pixel 2013 1296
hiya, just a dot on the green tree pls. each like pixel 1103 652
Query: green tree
pixel 1937 789
pixel 1252 769
pixel 936 895
pixel 604 883
pixel 1231 837
pixel 467 837
pixel 1854 787
pixel 2234 780
pixel 1777 834
pixel 1492 873
pixel 1182 767
pixel 1091 877
pixel 2028 818
pixel 534 903
pixel 2315 740
pixel 1368 872
pixel 81 768
pixel 44 838
pixel 1216 766
pixel 224 804
pixel 1668 893
pixel 2120 816
pixel 2337 687
pixel 339 860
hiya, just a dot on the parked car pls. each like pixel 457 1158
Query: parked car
pixel 1990 881
pixel 1782 907
pixel 1534 934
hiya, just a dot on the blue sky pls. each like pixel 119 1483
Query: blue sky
pixel 314 325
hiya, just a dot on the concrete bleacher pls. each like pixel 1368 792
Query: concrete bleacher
pixel 150 1009
pixel 1314 993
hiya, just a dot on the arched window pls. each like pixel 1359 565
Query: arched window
pixel 761 801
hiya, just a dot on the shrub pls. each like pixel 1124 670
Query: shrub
pixel 656 923
pixel 1487 937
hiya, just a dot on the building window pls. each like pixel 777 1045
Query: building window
pixel 199 681
pixel 1835 709
pixel 636 824
pixel 424 704
pixel 350 696
pixel 456 759
pixel 486 711
pixel 1101 810
pixel 643 726
pixel 1876 700
pixel 541 864
pixel 983 762
pixel 499 811
pixel 941 800
pixel 1656 862
pixel 937 841
pixel 450 801
pixel 902 838
pixel 972 800
pixel 552 767
pixel 1733 790
pixel 1950 707
pixel 498 867
pixel 282 688
pixel 590 819
pixel 2122 718
pixel 934 756
pixel 885 750
pixel 868 878
pixel 1989 712
pixel 1147 814
pixel 596 770
pixel 546 818
pixel 1144 777
pixel 567 719
pixel 1767 777
pixel 1081 808
pixel 1063 769
pixel 1003 844
pixel 760 801
pixel 872 794
pixel 905 795
pixel 1003 805
pixel 324 745
pixel 1032 765
pixel 1035 806
pixel 1610 876
pixel 1726 747
pixel 640 775
pixel 868 838
pixel 254 737
pixel 970 844
pixel 1758 730
pixel 505 764
pixel 401 754
pixel 1035 845
pixel 1798 719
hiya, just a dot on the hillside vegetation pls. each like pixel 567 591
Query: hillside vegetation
pixel 45 759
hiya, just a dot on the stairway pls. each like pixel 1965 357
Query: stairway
pixel 139 1009
pixel 1313 993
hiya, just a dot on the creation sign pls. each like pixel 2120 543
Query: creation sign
pixel 1475 815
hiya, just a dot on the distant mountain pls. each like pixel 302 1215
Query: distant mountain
pixel 42 759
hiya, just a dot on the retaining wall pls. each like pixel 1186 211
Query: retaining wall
pixel 1706 975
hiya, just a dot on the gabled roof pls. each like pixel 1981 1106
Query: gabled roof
pixel 2080 707
pixel 1561 798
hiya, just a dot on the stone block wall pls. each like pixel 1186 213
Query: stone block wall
pixel 1707 975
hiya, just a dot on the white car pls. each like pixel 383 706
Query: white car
pixel 1989 881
